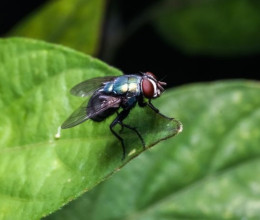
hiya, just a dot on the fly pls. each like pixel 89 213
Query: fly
pixel 109 94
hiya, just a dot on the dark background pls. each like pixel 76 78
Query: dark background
pixel 145 50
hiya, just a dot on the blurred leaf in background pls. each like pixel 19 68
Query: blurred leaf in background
pixel 210 171
pixel 73 23
pixel 216 27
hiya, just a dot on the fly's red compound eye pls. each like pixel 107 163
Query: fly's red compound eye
pixel 150 74
pixel 148 89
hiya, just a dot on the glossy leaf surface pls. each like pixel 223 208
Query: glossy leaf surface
pixel 38 173
pixel 210 171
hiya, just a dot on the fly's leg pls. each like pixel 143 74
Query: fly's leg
pixel 119 120
pixel 118 136
pixel 156 110
pixel 120 117
pixel 122 127
pixel 135 130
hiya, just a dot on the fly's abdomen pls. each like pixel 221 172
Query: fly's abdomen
pixel 123 85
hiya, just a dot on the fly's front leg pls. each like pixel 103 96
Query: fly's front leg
pixel 141 103
pixel 157 110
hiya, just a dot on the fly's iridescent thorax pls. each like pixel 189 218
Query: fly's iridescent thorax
pixel 127 84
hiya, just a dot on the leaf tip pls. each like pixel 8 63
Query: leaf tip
pixel 179 126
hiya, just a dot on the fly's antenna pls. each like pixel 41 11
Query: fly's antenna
pixel 163 78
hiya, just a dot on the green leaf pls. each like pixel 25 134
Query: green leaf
pixel 38 173
pixel 73 23
pixel 210 171
pixel 211 27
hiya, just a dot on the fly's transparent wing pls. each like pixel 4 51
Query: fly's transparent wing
pixel 88 87
pixel 77 117
pixel 96 106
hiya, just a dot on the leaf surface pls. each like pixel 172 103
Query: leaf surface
pixel 38 173
pixel 210 171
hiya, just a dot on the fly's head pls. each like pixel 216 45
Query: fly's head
pixel 151 87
